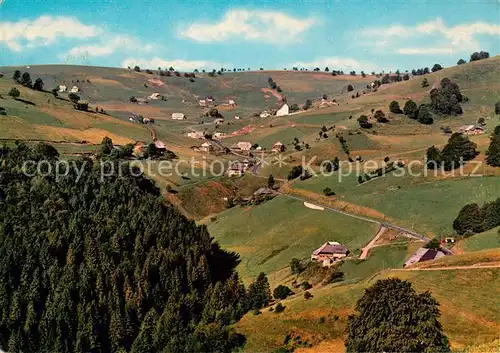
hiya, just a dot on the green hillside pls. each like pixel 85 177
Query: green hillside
pixel 469 317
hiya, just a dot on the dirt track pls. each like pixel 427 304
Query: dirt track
pixel 366 249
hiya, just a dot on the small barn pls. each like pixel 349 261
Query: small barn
pixel 242 146
pixel 424 254
pixel 178 116
pixel 278 147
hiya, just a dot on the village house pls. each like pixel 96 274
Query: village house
pixel 231 102
pixel 265 114
pixel 63 88
pixel 178 116
pixel 195 134
pixel 278 147
pixel 218 135
pixel 284 110
pixel 160 146
pixel 218 121
pixel 424 254
pixel 471 130
pixel 202 103
pixel 74 89
pixel 247 163
pixel 242 146
pixel 154 96
pixel 237 117
pixel 236 169
pixel 206 147
pixel 329 253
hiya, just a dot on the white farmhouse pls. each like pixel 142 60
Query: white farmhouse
pixel 242 146
pixel 284 110
pixel 63 88
pixel 74 89
pixel 178 116
pixel 195 134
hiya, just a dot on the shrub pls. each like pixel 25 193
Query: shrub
pixel 350 88
pixel 282 292
pixel 305 285
pixel 424 115
pixel 328 192
pixel 307 295
pixel 380 116
pixel 364 122
pixel 411 109
pixel 14 92
pixel 279 308
pixel 394 108
pixel 296 266
pixel 73 97
pixel 497 108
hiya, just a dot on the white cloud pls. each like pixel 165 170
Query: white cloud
pixel 108 46
pixel 444 39
pixel 336 63
pixel 178 64
pixel 43 31
pixel 265 26
pixel 425 51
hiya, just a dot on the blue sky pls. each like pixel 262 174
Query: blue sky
pixel 347 34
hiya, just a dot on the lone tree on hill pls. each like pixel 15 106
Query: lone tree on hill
pixel 457 151
pixel 394 108
pixel 493 152
pixel 282 292
pixel 364 122
pixel 479 56
pixel 38 84
pixel 436 67
pixel 14 92
pixel 392 317
pixel 411 109
pixel 73 97
pixel 26 79
pixel 270 181
pixel 446 99
pixel 424 115
pixel 433 157
pixel 259 293
pixel 380 116
pixel 17 75
pixel 461 62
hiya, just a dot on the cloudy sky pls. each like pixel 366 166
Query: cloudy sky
pixel 346 34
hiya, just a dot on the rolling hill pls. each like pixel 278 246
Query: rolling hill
pixel 267 236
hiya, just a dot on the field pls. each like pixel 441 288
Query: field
pixel 465 318
pixel 487 240
pixel 267 236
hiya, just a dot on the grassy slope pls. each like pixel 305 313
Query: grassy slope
pixel 469 317
pixel 267 236
pixel 487 240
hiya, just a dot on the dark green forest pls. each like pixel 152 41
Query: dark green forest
pixel 95 264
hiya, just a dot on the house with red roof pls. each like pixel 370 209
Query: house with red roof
pixel 328 253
